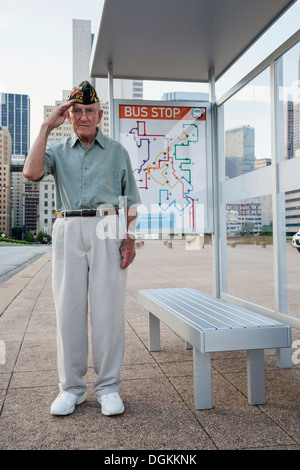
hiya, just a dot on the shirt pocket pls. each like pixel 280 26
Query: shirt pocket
pixel 109 182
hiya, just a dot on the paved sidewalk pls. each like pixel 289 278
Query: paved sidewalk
pixel 157 388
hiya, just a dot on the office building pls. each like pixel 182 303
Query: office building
pixel 65 130
pixel 262 162
pixel 17 183
pixel 5 181
pixel 46 204
pixel 15 115
pixel 239 150
pixel 185 96
pixel 31 206
pixel 289 130
pixel 296 123
pixel 243 218
pixel 291 118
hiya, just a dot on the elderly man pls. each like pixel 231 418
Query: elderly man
pixel 90 253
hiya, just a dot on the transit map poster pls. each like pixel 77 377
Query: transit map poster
pixel 167 145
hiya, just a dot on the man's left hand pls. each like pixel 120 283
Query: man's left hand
pixel 127 250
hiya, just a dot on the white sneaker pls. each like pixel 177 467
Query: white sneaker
pixel 111 404
pixel 65 403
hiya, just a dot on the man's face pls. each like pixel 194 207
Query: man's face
pixel 84 118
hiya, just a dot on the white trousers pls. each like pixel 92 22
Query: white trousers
pixel 87 272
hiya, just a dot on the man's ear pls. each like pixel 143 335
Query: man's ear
pixel 69 117
pixel 100 114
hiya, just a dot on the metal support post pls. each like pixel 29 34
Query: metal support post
pixel 111 101
pixel 215 171
pixel 154 333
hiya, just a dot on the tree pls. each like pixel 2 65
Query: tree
pixel 40 237
pixel 248 229
pixel 267 229
pixel 29 236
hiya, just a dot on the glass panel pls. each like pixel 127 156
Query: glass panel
pixel 247 254
pixel 249 250
pixel 289 96
pixel 247 128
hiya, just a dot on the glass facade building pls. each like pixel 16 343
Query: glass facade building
pixel 15 114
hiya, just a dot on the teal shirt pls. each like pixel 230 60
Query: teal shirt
pixel 88 178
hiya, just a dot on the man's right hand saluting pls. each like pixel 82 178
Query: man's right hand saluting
pixel 57 117
pixel 33 167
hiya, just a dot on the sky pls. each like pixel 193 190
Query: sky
pixel 36 51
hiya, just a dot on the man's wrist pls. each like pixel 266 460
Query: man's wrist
pixel 131 234
pixel 46 129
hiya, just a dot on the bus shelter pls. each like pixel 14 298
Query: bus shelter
pixel 198 41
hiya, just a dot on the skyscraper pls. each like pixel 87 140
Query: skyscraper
pixel 5 183
pixel 15 115
pixel 239 150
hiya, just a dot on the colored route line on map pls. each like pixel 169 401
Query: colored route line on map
pixel 164 161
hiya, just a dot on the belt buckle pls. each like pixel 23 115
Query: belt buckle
pixel 102 212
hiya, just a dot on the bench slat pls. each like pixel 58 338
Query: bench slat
pixel 198 323
pixel 214 310
pixel 262 319
pixel 231 315
pixel 192 312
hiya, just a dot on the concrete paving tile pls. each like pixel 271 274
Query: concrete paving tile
pixel 47 334
pixel 172 349
pixel 37 355
pixel 11 353
pixel 2 397
pixel 14 324
pixel 29 379
pixel 238 364
pixel 136 354
pixel 4 380
pixel 140 371
pixel 177 368
pixel 42 322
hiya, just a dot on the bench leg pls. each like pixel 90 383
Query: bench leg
pixel 154 333
pixel 284 358
pixel 202 380
pixel 256 377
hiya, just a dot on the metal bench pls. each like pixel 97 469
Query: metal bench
pixel 209 325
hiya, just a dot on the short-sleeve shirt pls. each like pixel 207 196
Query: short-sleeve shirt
pixel 89 178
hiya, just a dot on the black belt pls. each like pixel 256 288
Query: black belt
pixel 87 213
